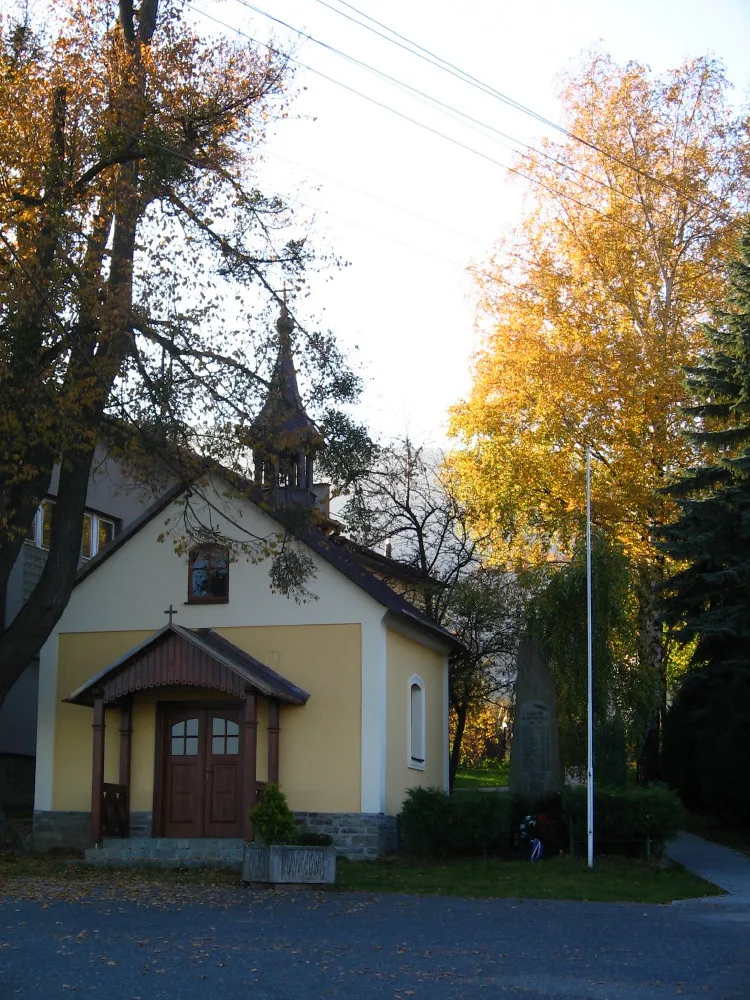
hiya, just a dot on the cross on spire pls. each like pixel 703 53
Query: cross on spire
pixel 171 611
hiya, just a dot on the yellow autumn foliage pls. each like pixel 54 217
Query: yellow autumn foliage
pixel 592 308
pixel 487 731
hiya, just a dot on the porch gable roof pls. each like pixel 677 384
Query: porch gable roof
pixel 198 658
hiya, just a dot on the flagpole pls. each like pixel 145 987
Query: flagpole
pixel 590 774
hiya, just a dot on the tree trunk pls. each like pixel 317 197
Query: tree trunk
pixel 652 655
pixel 461 709
pixel 32 625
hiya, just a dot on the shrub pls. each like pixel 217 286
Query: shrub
pixel 625 816
pixel 423 820
pixel 438 825
pixel 273 820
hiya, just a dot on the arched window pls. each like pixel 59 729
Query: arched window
pixel 208 575
pixel 416 723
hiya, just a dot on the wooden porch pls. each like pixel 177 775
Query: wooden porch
pixel 211 744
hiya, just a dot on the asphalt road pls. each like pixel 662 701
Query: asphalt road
pixel 327 946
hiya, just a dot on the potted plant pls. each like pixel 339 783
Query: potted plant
pixel 281 852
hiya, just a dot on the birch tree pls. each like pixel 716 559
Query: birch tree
pixel 592 308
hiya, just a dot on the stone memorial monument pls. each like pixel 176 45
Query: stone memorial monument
pixel 535 766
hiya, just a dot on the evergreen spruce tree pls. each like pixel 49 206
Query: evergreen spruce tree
pixel 706 750
pixel 709 598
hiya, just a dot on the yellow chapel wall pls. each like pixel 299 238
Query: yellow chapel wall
pixel 320 743
pixel 406 657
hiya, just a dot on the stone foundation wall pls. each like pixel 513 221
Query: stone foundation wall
pixel 357 836
pixel 141 824
pixel 58 829
pixel 61 829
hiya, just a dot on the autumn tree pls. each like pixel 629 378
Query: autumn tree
pixel 136 255
pixel 591 309
pixel 407 501
pixel 486 735
pixel 485 612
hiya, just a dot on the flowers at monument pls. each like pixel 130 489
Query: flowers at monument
pixel 538 833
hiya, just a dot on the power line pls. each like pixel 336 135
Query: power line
pixel 383 201
pixel 428 128
pixel 367 229
pixel 481 126
pixel 448 67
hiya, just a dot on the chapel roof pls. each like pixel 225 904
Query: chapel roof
pixel 191 657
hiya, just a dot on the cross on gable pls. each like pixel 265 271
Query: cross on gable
pixel 171 611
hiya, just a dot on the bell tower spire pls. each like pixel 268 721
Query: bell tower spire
pixel 284 438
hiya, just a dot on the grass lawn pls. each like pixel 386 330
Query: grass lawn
pixel 484 777
pixel 611 880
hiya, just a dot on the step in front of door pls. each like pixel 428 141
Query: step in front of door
pixel 169 852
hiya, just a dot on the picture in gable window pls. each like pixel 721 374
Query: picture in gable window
pixel 209 574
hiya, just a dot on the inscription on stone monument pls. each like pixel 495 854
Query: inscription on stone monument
pixel 535 769
pixel 535 736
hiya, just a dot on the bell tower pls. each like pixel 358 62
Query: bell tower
pixel 284 439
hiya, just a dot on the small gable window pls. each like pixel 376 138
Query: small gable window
pixel 97 532
pixel 208 575
pixel 40 529
pixel 416 723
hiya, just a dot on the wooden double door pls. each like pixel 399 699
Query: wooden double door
pixel 201 772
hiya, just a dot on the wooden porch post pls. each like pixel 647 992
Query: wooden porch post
pixel 249 762
pixel 97 770
pixel 273 742
pixel 126 740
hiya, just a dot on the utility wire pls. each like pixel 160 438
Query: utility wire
pixel 448 67
pixel 456 142
pixel 480 126
pixel 456 113
pixel 389 204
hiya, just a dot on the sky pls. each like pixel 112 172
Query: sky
pixel 410 209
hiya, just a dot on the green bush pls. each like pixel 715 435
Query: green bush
pixel 624 817
pixel 435 824
pixel 273 820
pixel 423 820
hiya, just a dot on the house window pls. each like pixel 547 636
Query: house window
pixel 40 528
pixel 416 723
pixel 97 532
pixel 208 575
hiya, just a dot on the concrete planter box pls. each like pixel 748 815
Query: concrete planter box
pixel 289 864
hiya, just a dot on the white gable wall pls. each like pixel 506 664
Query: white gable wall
pixel 131 589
